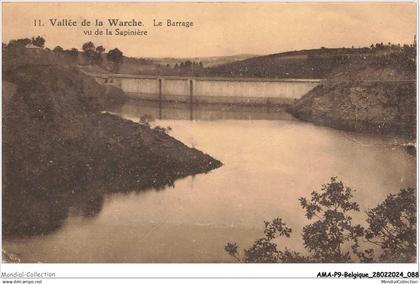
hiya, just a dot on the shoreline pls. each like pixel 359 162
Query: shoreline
pixel 60 151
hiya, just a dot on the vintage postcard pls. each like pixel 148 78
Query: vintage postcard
pixel 210 133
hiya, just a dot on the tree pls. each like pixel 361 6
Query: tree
pixel 73 52
pixel 97 58
pixel 100 49
pixel 23 41
pixel 38 41
pixel 324 238
pixel 89 51
pixel 116 57
pixel 264 250
pixel 88 46
pixel 333 228
pixel 19 42
pixel 12 43
pixel 58 49
pixel 392 227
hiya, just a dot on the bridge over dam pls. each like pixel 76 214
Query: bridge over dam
pixel 256 91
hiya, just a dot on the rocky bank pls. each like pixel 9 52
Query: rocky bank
pixel 378 96
pixel 61 152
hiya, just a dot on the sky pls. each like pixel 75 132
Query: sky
pixel 219 29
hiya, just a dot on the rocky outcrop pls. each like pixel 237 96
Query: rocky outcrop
pixel 379 107
pixel 376 96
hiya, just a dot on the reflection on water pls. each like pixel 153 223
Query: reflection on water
pixel 27 214
pixel 270 160
pixel 182 111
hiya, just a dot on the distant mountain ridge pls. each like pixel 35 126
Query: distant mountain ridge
pixel 207 61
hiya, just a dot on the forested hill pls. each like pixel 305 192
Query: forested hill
pixel 310 64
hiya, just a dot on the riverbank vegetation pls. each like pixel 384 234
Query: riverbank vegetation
pixel 333 237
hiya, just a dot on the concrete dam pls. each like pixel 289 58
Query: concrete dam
pixel 210 90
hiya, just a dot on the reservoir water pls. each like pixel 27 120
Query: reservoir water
pixel 270 160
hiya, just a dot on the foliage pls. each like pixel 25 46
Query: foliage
pixel 88 46
pixel 93 54
pixel 23 41
pixel 325 237
pixel 89 51
pixel 97 58
pixel 58 49
pixel 332 237
pixel 115 56
pixel 264 250
pixel 100 49
pixel 72 52
pixel 38 41
pixel 392 227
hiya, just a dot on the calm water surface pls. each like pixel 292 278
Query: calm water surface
pixel 270 160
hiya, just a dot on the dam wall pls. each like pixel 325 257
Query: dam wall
pixel 211 90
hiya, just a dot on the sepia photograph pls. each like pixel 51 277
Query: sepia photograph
pixel 209 133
